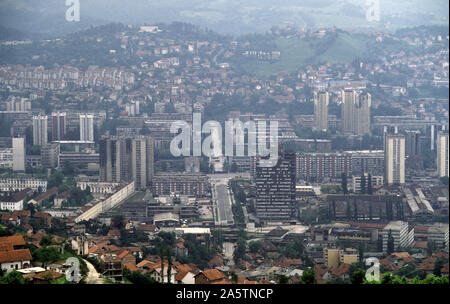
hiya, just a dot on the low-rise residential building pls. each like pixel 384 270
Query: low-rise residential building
pixel 438 234
pixel 400 232
pixel 22 183
pixel 14 201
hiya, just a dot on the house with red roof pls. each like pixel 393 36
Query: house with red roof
pixel 11 257
pixel 209 276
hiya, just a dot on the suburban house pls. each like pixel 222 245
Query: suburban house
pixel 12 256
pixel 14 201
pixel 209 276
pixel 185 277
pixel 51 193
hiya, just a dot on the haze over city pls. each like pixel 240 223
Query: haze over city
pixel 225 142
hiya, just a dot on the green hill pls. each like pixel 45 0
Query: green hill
pixel 340 47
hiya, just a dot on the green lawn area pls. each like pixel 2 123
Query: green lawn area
pixel 293 54
pixel 296 53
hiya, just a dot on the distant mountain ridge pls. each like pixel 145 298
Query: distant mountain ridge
pixel 235 17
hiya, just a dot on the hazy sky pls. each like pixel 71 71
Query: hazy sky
pixel 226 16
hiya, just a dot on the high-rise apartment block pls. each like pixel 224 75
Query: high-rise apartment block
pixel 412 142
pixel 40 136
pixel 355 112
pixel 124 159
pixel 19 152
pixel 58 126
pixel 394 159
pixel 402 236
pixel 86 127
pixel 321 100
pixel 442 154
pixel 50 155
pixel 275 190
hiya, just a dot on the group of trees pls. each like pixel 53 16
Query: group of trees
pixel 366 186
pixel 240 199
pixel 358 277
pixel 198 253
pixel 239 252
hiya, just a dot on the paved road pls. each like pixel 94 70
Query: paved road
pixel 93 276
pixel 228 250
pixel 223 202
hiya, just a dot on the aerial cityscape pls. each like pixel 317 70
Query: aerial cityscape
pixel 305 142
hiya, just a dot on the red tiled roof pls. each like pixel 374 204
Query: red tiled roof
pixel 41 275
pixel 445 268
pixel 147 227
pixel 180 275
pixel 183 267
pixel 45 195
pixel 131 267
pixel 421 245
pixel 22 213
pixel 289 262
pixel 6 246
pixel 114 232
pixel 16 240
pixel 341 270
pixel 213 274
pixel 123 254
pixel 144 263
pixel 15 255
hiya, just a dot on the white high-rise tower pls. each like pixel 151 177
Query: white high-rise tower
pixel 87 127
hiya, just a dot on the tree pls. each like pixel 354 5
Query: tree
pixel 14 278
pixel 344 183
pixel 234 277
pixel 438 265
pixel 390 243
pixel 282 279
pixel 45 241
pixel 361 251
pixel 358 276
pixel 431 247
pixel 162 264
pixel 234 167
pixel 169 265
pixel 239 252
pixel 363 184
pixel 308 277
pixel 369 185
pixel 254 246
pixel 46 255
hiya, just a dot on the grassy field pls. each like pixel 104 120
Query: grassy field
pixel 297 53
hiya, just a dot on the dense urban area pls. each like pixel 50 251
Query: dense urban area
pixel 86 170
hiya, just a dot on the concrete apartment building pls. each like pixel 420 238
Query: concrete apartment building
pixel 442 154
pixel 355 112
pixel 58 126
pixel 275 190
pixel 22 183
pixel 402 235
pixel 195 184
pixel 127 159
pixel 87 127
pixel 335 256
pixel 50 155
pixel 375 180
pixel 19 152
pixel 40 136
pixel 330 166
pixel 438 234
pixel 394 159
pixel 321 100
